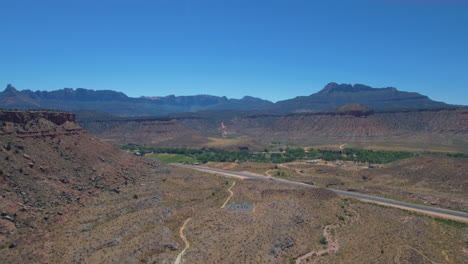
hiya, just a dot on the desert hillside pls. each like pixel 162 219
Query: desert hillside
pixel 50 167
pixel 67 197
pixel 444 130
pixel 48 160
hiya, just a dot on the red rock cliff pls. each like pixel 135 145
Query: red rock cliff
pixel 22 117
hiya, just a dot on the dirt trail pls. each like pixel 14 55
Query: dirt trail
pixel 229 198
pixel 332 242
pixel 187 244
pixel 181 232
pixel 223 129
pixel 268 172
pixel 284 167
pixel 433 211
pixel 287 167
pixel 332 246
pixel 399 253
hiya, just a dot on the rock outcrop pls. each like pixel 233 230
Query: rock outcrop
pixel 47 162
pixel 22 117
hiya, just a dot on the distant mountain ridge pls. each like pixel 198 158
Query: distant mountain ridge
pixel 118 103
pixel 332 96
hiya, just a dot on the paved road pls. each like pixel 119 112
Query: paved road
pixel 445 213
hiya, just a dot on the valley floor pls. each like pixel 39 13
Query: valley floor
pixel 426 180
pixel 282 224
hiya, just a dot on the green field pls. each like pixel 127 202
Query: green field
pixel 172 158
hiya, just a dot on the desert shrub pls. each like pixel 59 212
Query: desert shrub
pixel 323 240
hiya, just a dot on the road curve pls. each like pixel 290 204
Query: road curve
pixel 434 211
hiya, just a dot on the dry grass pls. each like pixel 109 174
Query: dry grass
pixel 225 142
pixel 429 180
pixel 395 236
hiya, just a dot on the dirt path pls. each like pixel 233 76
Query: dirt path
pixel 187 244
pixel 229 198
pixel 332 246
pixel 181 232
pixel 223 128
pixel 288 168
pixel 428 210
pixel 284 167
pixel 400 249
pixel 332 241
pixel 268 172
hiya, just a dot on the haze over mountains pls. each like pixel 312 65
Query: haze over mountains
pixel 334 95
pixel 330 97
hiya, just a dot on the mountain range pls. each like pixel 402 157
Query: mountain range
pixel 333 95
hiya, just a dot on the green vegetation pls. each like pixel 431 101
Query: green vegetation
pixel 450 155
pixel 323 240
pixel 449 222
pixel 282 174
pixel 370 156
pixel 173 158
pixel 186 155
pixel 457 155
pixel 452 223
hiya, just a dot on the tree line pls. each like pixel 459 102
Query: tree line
pixel 204 155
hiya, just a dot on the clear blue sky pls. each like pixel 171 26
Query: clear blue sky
pixel 273 49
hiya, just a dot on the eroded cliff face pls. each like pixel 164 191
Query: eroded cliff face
pixel 22 117
pixel 169 132
pixel 24 124
pixel 423 129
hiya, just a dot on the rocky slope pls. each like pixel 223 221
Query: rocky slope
pixel 145 131
pixel 421 129
pixel 50 167
pixel 45 156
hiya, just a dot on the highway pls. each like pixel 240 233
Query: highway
pixel 428 210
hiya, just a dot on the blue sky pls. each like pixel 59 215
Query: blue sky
pixel 273 49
